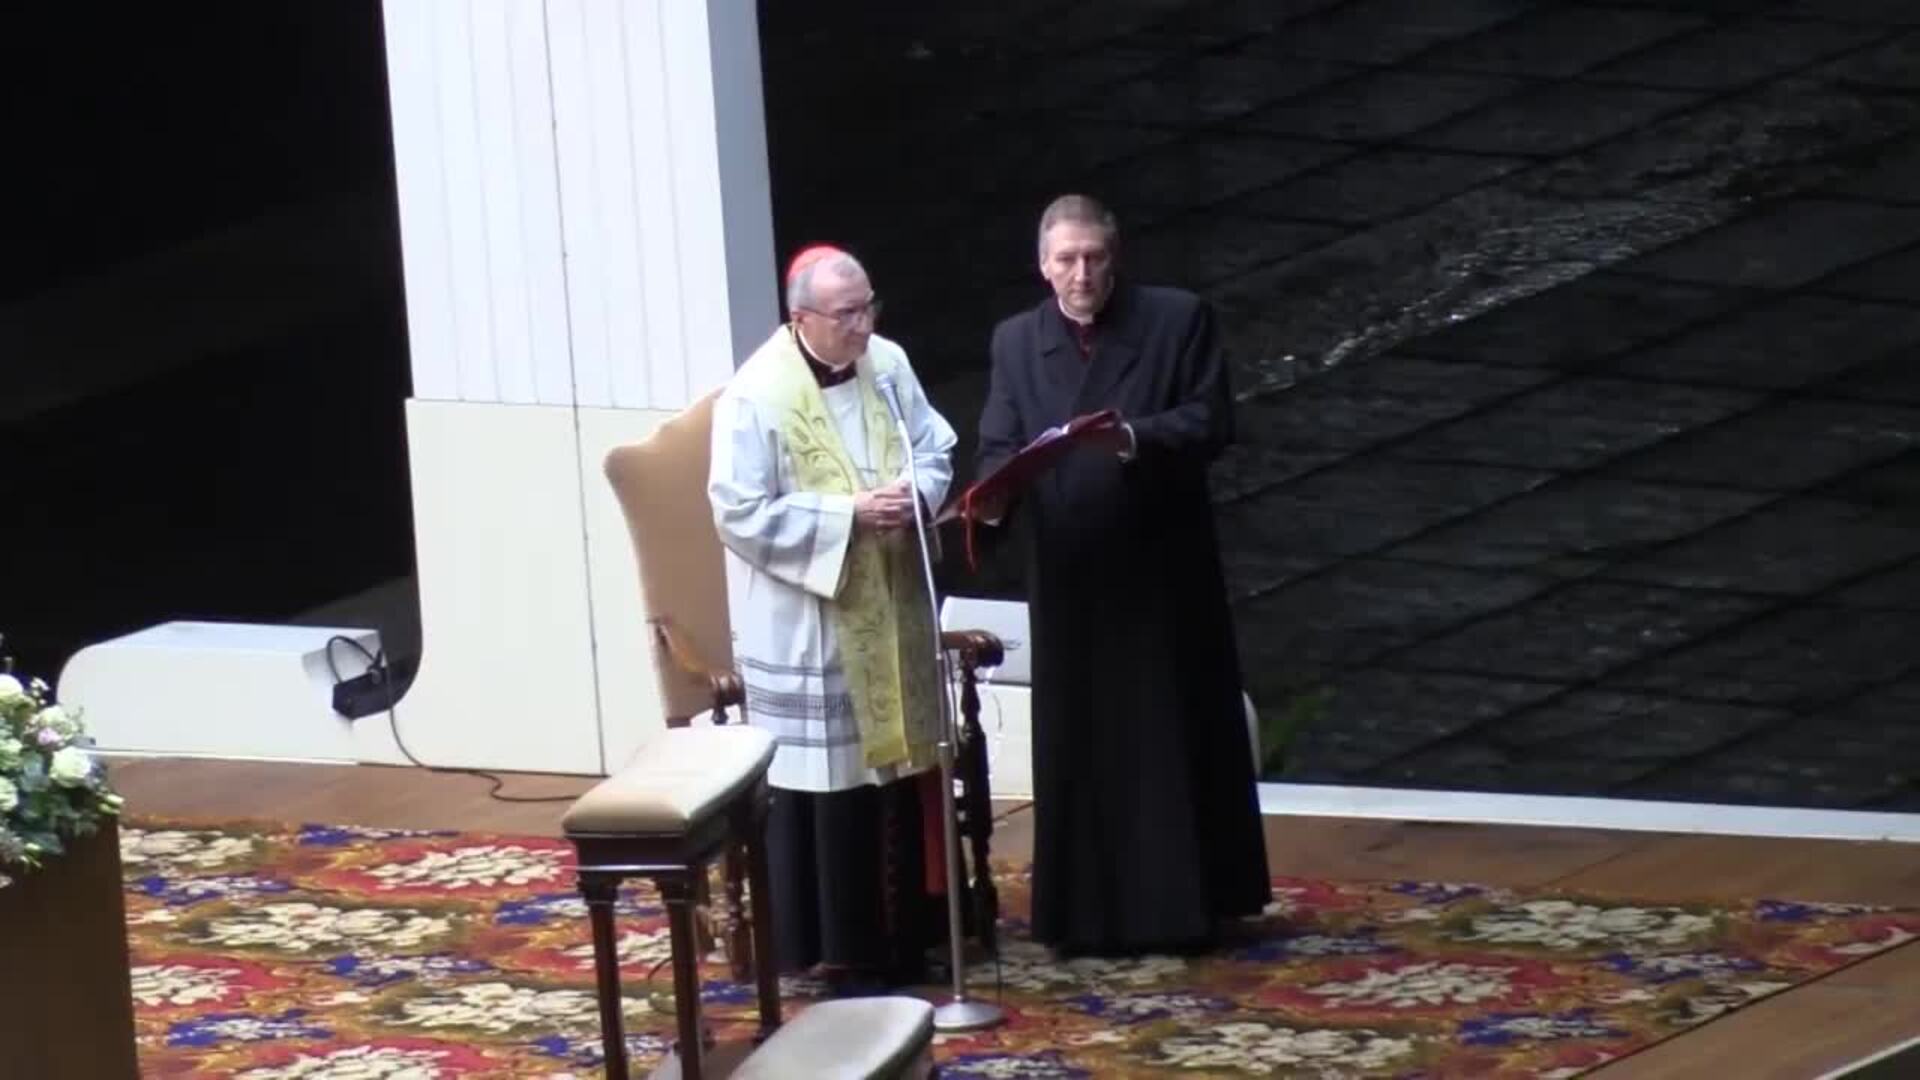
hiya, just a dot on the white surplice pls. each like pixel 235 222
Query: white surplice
pixel 786 550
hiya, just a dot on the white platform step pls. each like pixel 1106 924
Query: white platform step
pixel 237 690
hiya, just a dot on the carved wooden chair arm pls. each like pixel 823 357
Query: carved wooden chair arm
pixel 724 922
pixel 977 648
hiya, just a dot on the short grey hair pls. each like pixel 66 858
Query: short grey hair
pixel 1080 210
pixel 800 286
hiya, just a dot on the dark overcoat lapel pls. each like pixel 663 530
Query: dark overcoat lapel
pixel 1069 386
pixel 1116 349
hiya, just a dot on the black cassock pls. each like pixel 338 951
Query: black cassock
pixel 1147 819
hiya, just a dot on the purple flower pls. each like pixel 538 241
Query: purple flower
pixel 49 737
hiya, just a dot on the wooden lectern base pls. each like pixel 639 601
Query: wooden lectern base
pixel 66 997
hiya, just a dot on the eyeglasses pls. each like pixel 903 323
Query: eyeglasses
pixel 851 316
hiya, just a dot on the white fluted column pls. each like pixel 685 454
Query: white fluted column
pixel 588 246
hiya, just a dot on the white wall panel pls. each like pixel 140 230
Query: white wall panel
pixel 580 196
pixel 657 217
pixel 739 110
pixel 623 365
pixel 506 675
pixel 414 101
pixel 548 355
pixel 504 257
pixel 463 180
pixel 697 199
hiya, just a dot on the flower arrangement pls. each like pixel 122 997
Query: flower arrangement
pixel 52 791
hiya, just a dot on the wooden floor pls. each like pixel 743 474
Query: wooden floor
pixel 1802 1033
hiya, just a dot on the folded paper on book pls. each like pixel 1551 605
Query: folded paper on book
pixel 1022 469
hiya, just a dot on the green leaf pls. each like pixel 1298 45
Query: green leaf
pixel 49 843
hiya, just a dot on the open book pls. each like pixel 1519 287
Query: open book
pixel 1019 471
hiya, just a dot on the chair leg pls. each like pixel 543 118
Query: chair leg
pixel 678 891
pixel 601 894
pixel 739 942
pixel 977 813
pixel 766 968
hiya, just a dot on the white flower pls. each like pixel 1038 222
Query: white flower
pixel 302 927
pixel 1013 1068
pixel 1543 1028
pixel 1421 984
pixel 1416 914
pixel 179 984
pixel 9 795
pixel 1685 965
pixel 357 1063
pixel 1029 966
pixel 483 865
pixel 634 947
pixel 10 689
pixel 1330 945
pixel 55 718
pixel 498 1008
pixel 70 767
pixel 1096 1038
pixel 1563 924
pixel 1134 1007
pixel 1264 1049
pixel 179 849
pixel 10 750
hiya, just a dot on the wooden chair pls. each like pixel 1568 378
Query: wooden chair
pixel 661 483
pixel 687 796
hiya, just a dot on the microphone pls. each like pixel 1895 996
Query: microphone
pixel 890 393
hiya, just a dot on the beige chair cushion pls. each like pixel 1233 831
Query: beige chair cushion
pixel 661 482
pixel 847 1039
pixel 674 780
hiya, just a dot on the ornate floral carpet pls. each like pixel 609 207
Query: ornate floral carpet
pixel 265 952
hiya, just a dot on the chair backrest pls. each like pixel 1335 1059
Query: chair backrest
pixel 661 482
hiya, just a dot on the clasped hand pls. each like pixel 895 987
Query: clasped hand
pixel 885 508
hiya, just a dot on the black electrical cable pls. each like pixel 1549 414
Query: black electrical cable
pixel 378 662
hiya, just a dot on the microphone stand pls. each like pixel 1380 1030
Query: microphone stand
pixel 961 1013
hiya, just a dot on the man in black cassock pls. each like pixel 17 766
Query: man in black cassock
pixel 1147 820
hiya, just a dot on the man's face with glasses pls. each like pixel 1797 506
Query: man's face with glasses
pixel 840 320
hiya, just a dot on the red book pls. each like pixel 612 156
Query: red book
pixel 1018 472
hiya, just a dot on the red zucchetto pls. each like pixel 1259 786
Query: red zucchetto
pixel 807 257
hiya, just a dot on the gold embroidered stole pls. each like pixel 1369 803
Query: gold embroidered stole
pixel 880 614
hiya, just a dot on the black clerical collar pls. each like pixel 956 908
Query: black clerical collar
pixel 1080 333
pixel 822 374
